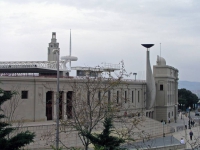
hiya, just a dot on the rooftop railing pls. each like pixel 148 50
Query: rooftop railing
pixel 33 64
pixel 37 75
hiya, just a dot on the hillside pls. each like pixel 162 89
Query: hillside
pixel 192 86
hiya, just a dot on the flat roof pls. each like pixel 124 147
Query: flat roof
pixel 26 70
pixel 32 66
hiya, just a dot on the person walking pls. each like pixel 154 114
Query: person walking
pixel 186 127
pixel 191 134
pixel 193 123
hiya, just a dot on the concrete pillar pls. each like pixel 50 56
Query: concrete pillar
pixel 150 84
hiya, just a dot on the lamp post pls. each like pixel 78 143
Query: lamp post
pixel 175 112
pixel 135 75
pixel 163 128
pixel 57 51
pixel 189 118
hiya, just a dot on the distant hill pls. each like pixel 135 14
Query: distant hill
pixel 194 87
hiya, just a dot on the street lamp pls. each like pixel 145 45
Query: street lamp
pixel 189 117
pixel 175 112
pixel 163 128
pixel 57 51
pixel 135 75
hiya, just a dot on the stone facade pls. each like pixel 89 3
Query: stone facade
pixel 166 78
pixel 157 97
pixel 34 106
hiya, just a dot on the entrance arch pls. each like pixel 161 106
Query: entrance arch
pixel 49 97
pixel 69 105
pixel 60 104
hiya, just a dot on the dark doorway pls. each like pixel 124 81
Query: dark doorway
pixel 60 104
pixel 69 105
pixel 49 96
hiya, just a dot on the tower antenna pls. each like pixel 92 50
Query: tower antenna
pixel 160 49
pixel 70 47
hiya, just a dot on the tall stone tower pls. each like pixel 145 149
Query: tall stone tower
pixel 53 45
pixel 166 78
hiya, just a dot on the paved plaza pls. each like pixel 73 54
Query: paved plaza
pixel 170 139
pixel 181 132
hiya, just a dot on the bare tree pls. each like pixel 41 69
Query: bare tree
pixel 93 98
pixel 10 107
pixel 91 102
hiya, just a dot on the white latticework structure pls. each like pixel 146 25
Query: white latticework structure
pixel 108 66
pixel 33 64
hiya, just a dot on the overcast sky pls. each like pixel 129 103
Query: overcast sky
pixel 104 31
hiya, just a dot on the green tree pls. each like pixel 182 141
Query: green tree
pixel 8 140
pixel 105 141
pixel 187 98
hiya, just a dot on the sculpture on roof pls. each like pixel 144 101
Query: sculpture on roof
pixel 161 61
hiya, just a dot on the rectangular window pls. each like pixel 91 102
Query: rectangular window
pixel 125 96
pixel 93 74
pixel 108 96
pixel 138 96
pixel 117 96
pixel 24 94
pixel 161 87
pixel 132 96
pixel 80 73
pixel 99 95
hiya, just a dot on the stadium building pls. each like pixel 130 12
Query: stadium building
pixel 36 84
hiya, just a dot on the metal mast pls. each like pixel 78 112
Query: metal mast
pixel 70 48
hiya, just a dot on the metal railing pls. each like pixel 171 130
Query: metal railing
pixel 37 75
pixel 33 64
pixel 111 66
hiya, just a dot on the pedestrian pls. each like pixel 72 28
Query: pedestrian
pixel 168 120
pixel 182 141
pixel 193 123
pixel 189 124
pixel 191 134
pixel 185 126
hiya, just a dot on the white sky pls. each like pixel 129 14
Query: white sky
pixel 104 31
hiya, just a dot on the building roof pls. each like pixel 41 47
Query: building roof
pixel 32 66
